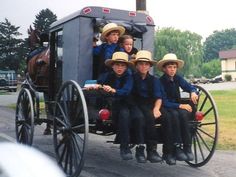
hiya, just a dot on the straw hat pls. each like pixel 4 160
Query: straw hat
pixel 144 55
pixel 111 27
pixel 118 57
pixel 170 57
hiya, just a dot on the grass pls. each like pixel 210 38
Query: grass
pixel 226 105
pixel 4 92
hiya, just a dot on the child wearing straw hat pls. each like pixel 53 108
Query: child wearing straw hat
pixel 147 95
pixel 119 82
pixel 180 113
pixel 110 36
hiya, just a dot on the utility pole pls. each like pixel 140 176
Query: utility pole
pixel 140 5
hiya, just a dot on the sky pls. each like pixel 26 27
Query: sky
pixel 202 16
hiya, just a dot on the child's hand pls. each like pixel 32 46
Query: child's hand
pixel 194 97
pixel 94 87
pixel 156 112
pixel 97 86
pixel 187 107
pixel 108 88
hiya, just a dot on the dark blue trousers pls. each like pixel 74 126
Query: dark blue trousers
pixel 180 125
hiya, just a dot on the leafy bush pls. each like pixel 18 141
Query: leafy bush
pixel 228 77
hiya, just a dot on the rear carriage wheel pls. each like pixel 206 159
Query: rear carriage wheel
pixel 70 128
pixel 24 117
pixel 204 129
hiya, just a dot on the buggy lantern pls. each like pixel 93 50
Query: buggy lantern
pixel 199 115
pixel 104 114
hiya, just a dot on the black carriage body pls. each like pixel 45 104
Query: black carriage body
pixel 71 41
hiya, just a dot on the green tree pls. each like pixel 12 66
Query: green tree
pixel 212 68
pixel 44 19
pixel 23 52
pixel 10 45
pixel 186 45
pixel 219 40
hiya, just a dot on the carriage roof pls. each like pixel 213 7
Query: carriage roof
pixel 107 13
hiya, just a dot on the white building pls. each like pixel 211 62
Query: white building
pixel 228 63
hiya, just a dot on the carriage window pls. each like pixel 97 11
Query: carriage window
pixel 58 58
pixel 58 46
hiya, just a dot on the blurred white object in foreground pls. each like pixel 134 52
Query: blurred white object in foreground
pixel 18 160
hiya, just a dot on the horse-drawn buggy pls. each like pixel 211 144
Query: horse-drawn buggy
pixel 61 73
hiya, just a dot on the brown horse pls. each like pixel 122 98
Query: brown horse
pixel 38 59
pixel 38 67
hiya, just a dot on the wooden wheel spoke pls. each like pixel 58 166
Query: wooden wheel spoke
pixel 60 122
pixel 77 139
pixel 200 147
pixel 203 141
pixel 74 156
pixel 59 145
pixel 209 110
pixel 64 99
pixel 206 124
pixel 20 132
pixel 204 132
pixel 203 103
pixel 78 127
pixel 64 148
pixel 195 149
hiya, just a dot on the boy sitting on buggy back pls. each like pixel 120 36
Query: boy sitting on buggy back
pixel 110 36
pixel 148 94
pixel 119 82
pixel 180 112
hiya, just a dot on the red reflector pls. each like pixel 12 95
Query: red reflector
pixel 106 10
pixel 132 14
pixel 199 115
pixel 87 10
pixel 104 114
pixel 149 19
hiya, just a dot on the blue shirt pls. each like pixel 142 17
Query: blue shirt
pixel 105 50
pixel 148 88
pixel 122 84
pixel 171 88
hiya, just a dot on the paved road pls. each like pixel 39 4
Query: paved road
pixel 8 99
pixel 220 86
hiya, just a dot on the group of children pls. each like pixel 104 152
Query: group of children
pixel 141 100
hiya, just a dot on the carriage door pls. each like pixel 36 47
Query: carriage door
pixel 56 61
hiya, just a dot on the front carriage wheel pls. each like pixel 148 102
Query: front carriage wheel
pixel 24 121
pixel 204 128
pixel 70 128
